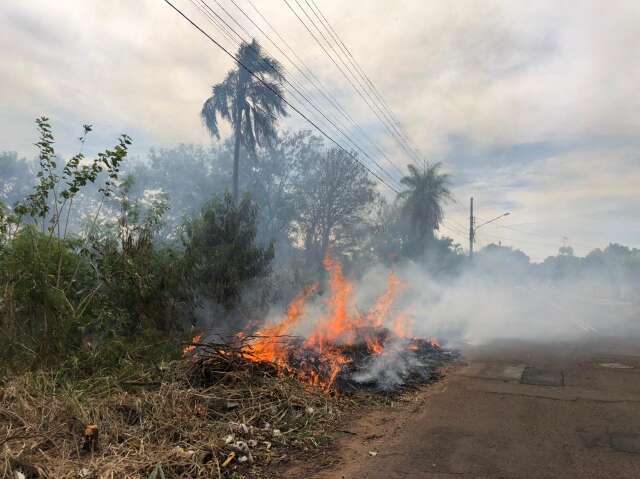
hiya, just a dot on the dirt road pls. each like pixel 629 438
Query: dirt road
pixel 512 411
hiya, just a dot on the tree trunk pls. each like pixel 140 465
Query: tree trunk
pixel 236 163
pixel 325 241
pixel 240 90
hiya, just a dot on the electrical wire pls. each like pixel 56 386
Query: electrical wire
pixel 295 88
pixel 350 57
pixel 340 69
pixel 313 79
pixel 293 107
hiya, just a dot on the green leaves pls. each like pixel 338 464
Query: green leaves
pixel 221 250
pixel 422 202
pixel 54 191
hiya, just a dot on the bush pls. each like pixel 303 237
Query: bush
pixel 84 298
pixel 48 289
pixel 221 251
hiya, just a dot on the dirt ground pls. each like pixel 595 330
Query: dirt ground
pixel 511 410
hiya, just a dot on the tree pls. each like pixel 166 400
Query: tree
pixel 565 250
pixel 49 286
pixel 333 197
pixel 272 184
pixel 251 99
pixel 199 179
pixel 422 203
pixel 221 251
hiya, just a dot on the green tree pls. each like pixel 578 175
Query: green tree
pixel 422 200
pixel 221 251
pixel 250 98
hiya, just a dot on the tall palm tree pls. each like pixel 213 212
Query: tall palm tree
pixel 248 102
pixel 423 199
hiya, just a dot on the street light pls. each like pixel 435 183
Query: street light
pixel 473 228
pixel 492 220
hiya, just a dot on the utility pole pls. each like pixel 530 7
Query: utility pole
pixel 472 229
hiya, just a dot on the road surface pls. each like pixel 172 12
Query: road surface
pixel 511 411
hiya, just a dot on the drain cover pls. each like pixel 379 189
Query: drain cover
pixel 542 377
pixel 625 442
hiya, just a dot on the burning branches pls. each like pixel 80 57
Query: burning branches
pixel 345 349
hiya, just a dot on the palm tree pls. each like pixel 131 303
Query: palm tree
pixel 423 199
pixel 250 102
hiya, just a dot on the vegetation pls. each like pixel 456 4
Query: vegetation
pixel 422 204
pixel 251 99
pixel 221 254
pixel 113 288
pixel 104 256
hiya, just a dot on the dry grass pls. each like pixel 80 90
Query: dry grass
pixel 211 417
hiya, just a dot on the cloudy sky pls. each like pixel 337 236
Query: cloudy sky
pixel 533 107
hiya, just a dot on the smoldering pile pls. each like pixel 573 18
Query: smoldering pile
pixel 400 365
pixel 376 360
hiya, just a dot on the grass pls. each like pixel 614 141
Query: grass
pixel 236 423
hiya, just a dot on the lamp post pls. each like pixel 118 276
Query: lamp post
pixel 473 228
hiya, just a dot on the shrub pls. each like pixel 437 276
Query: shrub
pixel 221 251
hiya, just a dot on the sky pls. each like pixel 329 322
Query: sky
pixel 533 108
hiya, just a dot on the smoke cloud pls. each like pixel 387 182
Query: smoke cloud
pixel 491 301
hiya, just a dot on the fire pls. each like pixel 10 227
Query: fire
pixel 192 347
pixel 320 358
pixel 339 325
pixel 268 345
pixel 403 325
pixel 380 311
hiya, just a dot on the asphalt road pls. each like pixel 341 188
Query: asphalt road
pixel 512 411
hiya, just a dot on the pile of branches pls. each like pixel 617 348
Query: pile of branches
pixel 227 360
pixel 404 364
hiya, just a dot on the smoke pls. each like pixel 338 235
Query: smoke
pixel 390 370
pixel 498 296
pixel 495 299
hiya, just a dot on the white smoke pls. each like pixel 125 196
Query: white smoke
pixel 476 307
pixel 391 369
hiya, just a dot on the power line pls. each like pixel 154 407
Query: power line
pixel 385 107
pixel 340 69
pixel 453 227
pixel 510 227
pixel 293 107
pixel 310 78
pixel 394 131
pixel 296 89
pixel 309 71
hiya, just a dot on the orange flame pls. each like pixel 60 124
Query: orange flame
pixel 341 326
pixel 267 347
pixel 337 327
pixel 403 326
pixel 192 347
pixel 380 311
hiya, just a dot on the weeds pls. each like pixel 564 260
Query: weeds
pixel 167 423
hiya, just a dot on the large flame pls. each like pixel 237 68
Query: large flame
pixel 342 326
pixel 269 345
